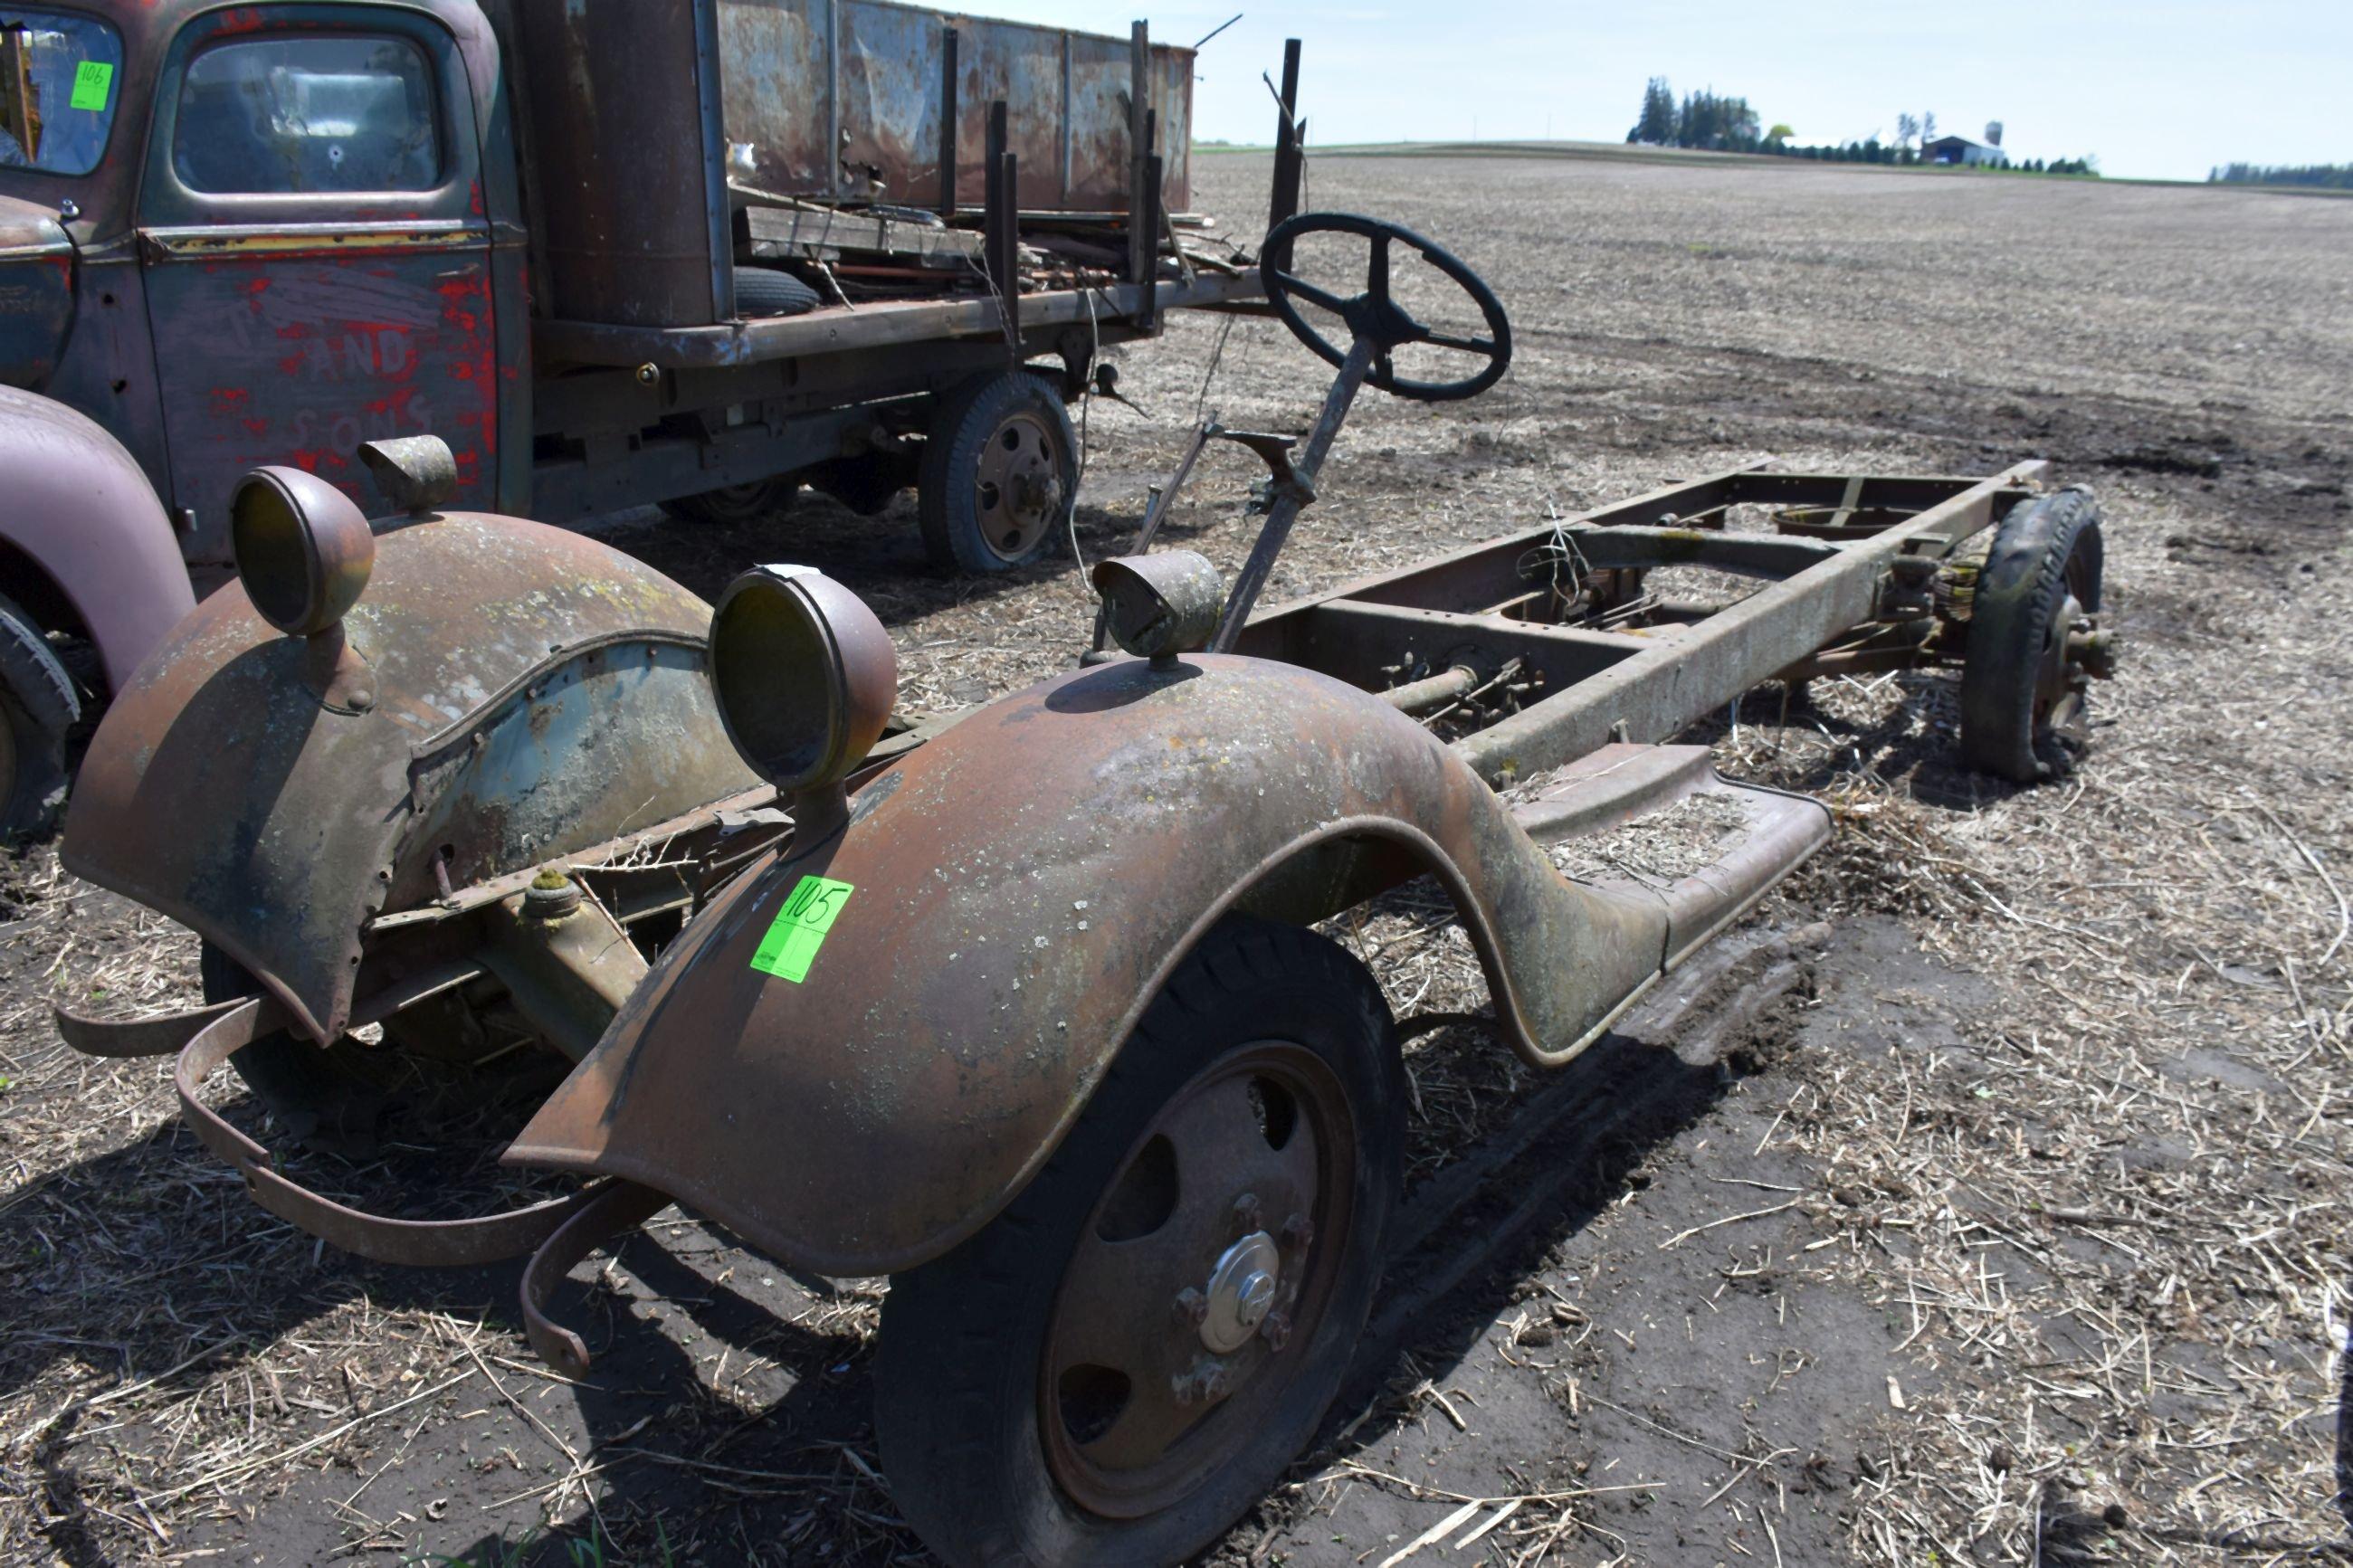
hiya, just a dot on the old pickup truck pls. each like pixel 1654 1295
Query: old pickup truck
pixel 697 254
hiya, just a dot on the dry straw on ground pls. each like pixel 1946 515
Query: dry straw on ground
pixel 2104 1232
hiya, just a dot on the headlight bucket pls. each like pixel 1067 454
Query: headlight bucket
pixel 804 675
pixel 304 550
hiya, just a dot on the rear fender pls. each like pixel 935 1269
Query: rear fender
pixel 1020 889
pixel 82 510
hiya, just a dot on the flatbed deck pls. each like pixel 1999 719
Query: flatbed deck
pixel 842 328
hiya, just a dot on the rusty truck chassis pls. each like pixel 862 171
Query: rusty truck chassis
pixel 1598 669
pixel 1552 663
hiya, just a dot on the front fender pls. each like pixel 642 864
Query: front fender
pixel 1020 889
pixel 81 508
pixel 538 693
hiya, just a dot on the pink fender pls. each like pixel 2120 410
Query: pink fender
pixel 73 500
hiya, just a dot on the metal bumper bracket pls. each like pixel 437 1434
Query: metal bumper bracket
pixel 443 1244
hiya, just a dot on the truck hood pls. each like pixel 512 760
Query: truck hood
pixel 35 292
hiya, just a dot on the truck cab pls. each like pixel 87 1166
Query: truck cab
pixel 268 233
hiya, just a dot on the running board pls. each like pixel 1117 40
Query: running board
pixel 1623 784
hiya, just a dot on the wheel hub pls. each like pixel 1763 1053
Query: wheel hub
pixel 1018 485
pixel 1242 1292
pixel 2060 681
pixel 1170 1340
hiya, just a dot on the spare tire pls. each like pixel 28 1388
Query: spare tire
pixel 765 291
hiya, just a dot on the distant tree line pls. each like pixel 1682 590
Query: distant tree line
pixel 2329 176
pixel 1718 123
pixel 1702 119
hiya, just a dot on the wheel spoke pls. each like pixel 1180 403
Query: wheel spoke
pixel 1118 1306
pixel 1484 346
pixel 1322 299
pixel 1377 276
pixel 1154 1418
pixel 1222 1153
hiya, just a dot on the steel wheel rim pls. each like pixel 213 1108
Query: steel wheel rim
pixel 1016 488
pixel 7 762
pixel 1132 1443
pixel 2060 678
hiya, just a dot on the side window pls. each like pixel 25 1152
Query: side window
pixel 56 90
pixel 297 115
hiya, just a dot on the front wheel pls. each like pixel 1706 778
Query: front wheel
pixel 37 707
pixel 1126 1360
pixel 1000 473
pixel 433 1066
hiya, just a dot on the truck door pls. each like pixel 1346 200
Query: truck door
pixel 317 253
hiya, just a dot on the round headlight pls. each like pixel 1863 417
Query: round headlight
pixel 1159 605
pixel 803 673
pixel 302 548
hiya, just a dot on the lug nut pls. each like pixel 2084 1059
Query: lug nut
pixel 1185 1388
pixel 1298 1234
pixel 1276 1330
pixel 1247 1213
pixel 1192 1308
pixel 1217 1383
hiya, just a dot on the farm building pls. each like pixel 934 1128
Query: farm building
pixel 1958 150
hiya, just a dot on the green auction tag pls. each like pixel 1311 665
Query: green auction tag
pixel 91 80
pixel 799 928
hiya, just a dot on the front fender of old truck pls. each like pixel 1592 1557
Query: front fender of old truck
pixel 537 693
pixel 90 541
pixel 1018 890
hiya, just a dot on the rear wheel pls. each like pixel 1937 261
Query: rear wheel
pixel 2033 649
pixel 1000 473
pixel 735 505
pixel 1124 1361
pixel 37 707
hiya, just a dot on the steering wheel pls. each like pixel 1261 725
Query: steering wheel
pixel 1376 317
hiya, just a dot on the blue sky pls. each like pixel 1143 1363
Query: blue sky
pixel 2153 88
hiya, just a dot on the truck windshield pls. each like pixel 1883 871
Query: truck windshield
pixel 57 76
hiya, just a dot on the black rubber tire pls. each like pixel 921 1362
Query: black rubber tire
pixel 765 291
pixel 966 420
pixel 736 506
pixel 956 1407
pixel 2037 549
pixel 39 705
